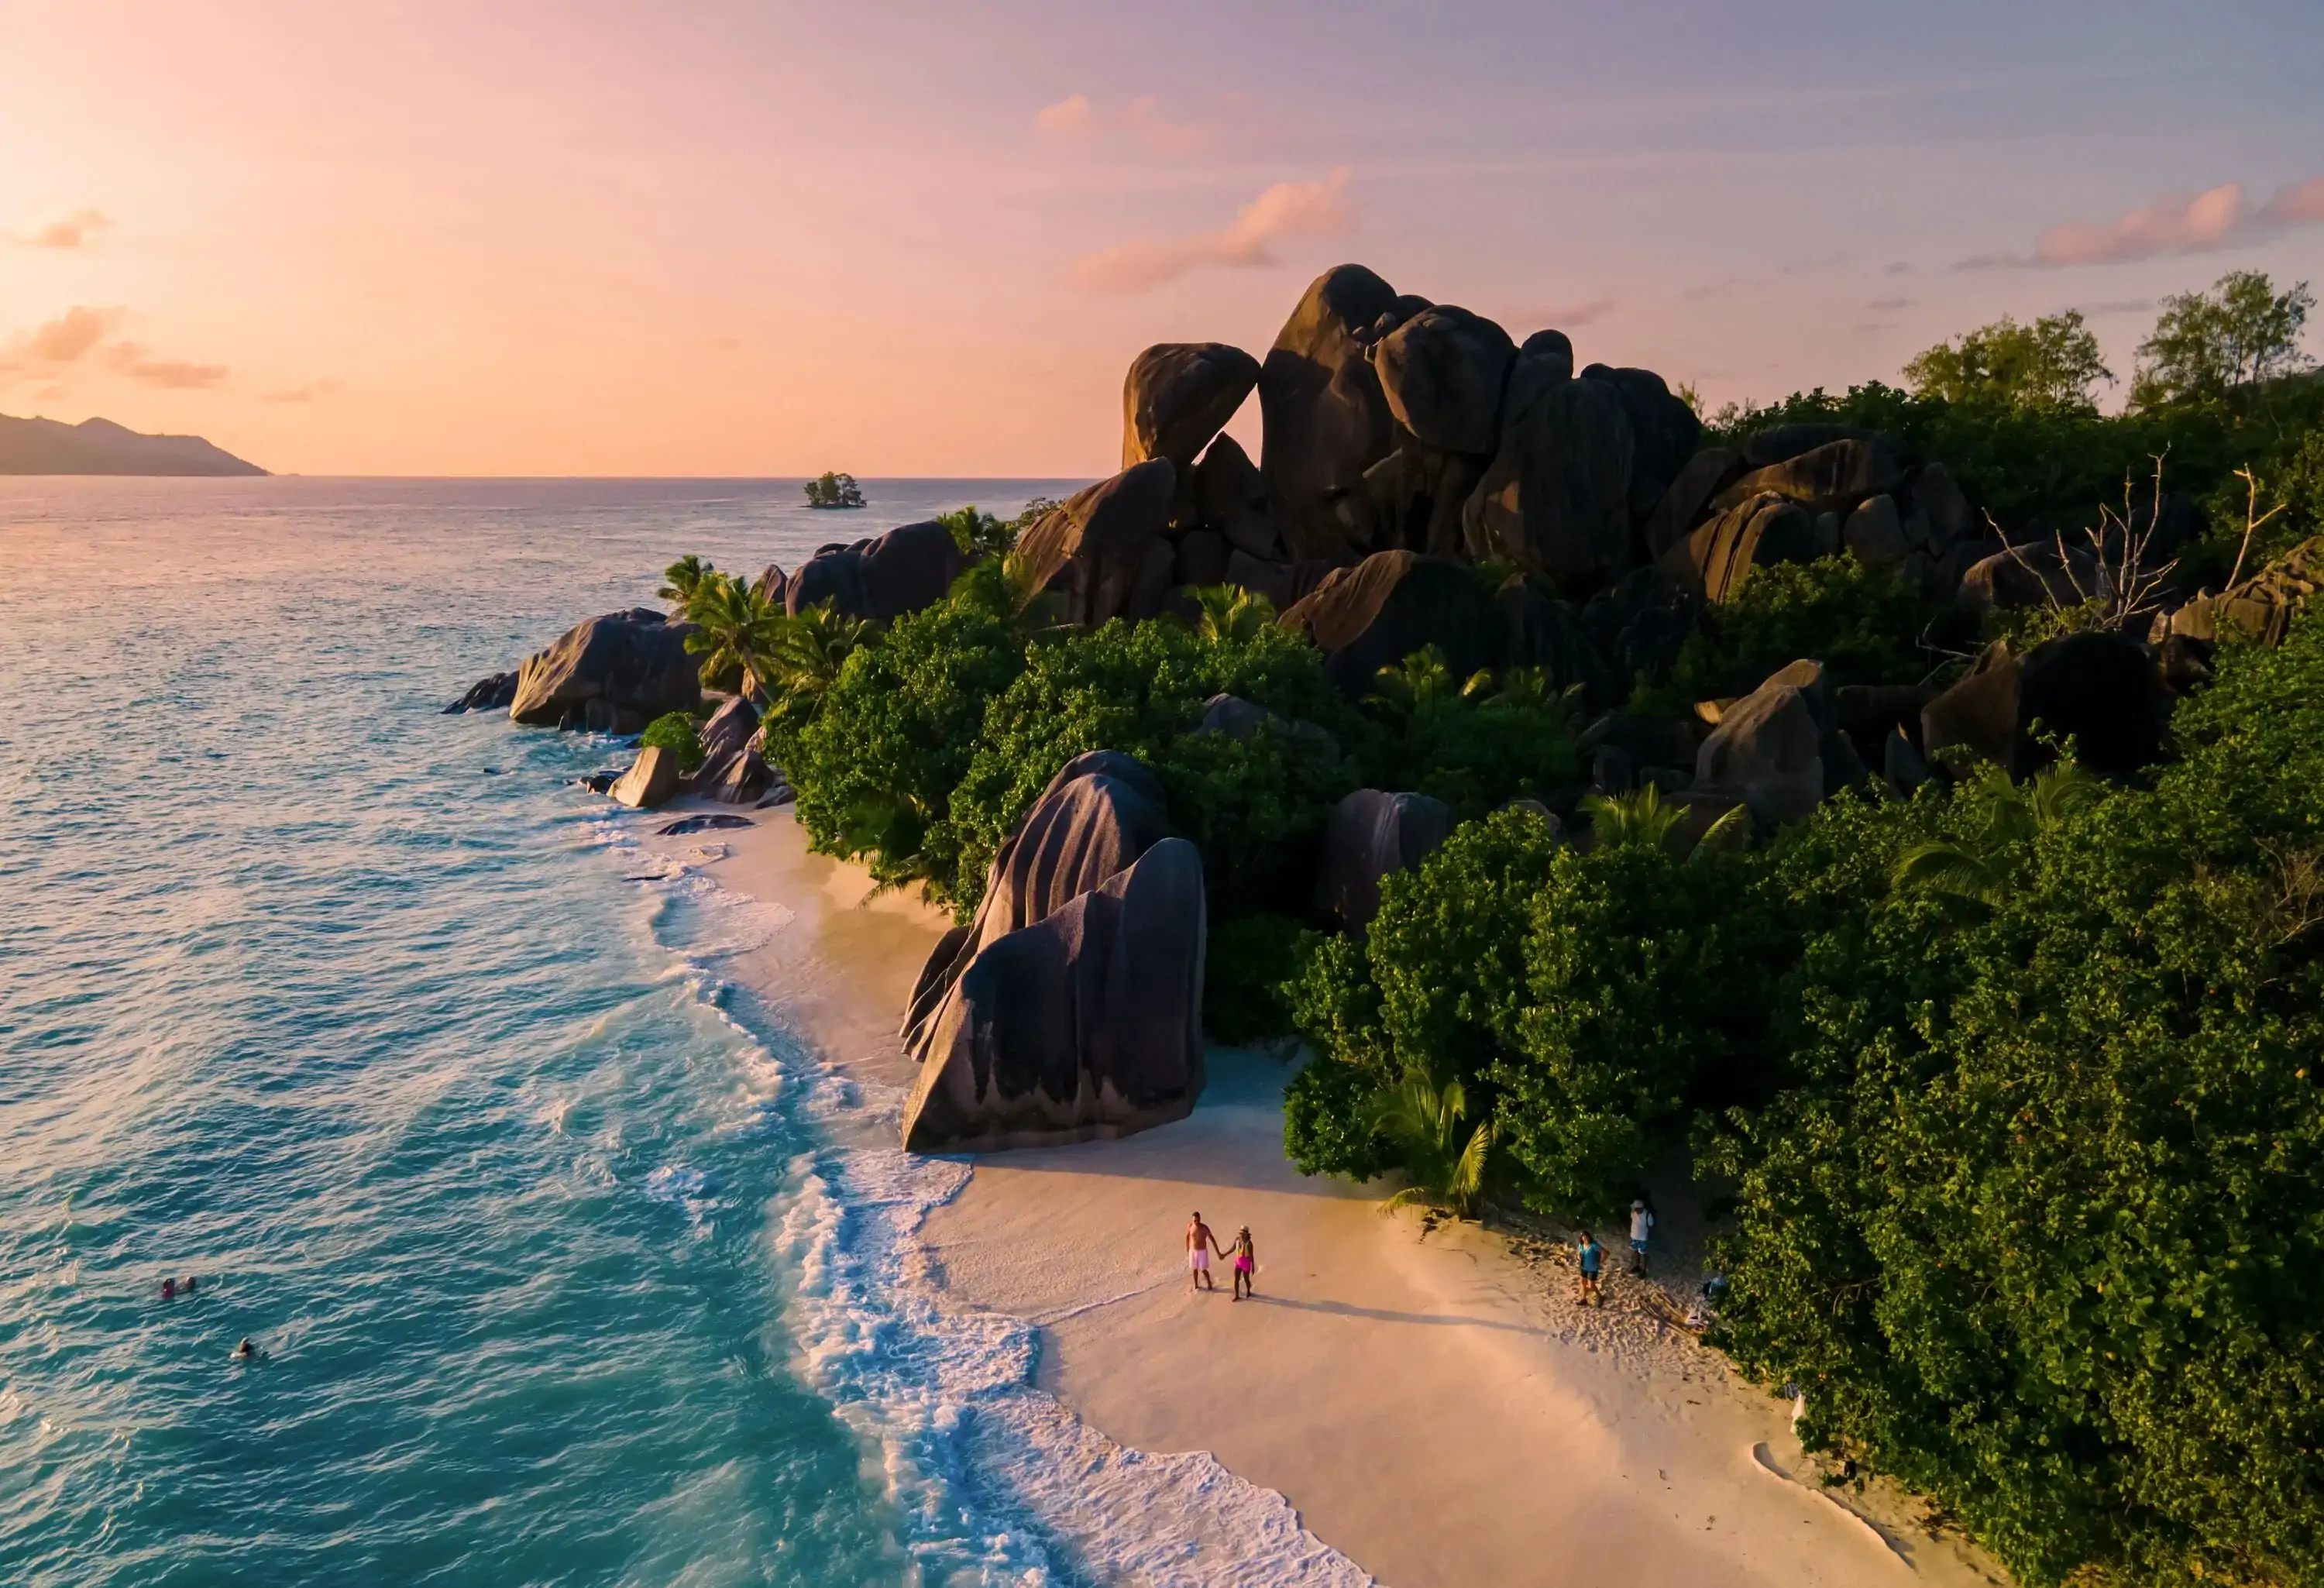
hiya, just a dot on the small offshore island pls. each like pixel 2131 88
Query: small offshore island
pixel 1883 832
pixel 100 447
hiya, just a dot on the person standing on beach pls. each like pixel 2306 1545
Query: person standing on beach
pixel 1588 1257
pixel 1200 1244
pixel 1642 1223
pixel 1246 1264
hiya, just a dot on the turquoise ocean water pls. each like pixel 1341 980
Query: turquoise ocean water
pixel 356 1013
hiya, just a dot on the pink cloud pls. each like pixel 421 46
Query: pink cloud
pixel 67 231
pixel 71 334
pixel 2217 217
pixel 1075 118
pixel 1287 209
pixel 129 358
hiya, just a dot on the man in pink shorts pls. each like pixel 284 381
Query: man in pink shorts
pixel 1200 1244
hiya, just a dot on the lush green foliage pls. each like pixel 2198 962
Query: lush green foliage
pixel 737 631
pixel 1444 1153
pixel 2040 1229
pixel 1249 804
pixel 1591 1001
pixel 876 762
pixel 978 534
pixel 2211 345
pixel 1865 625
pixel 1474 742
pixel 674 730
pixel 831 489
pixel 1249 959
pixel 682 581
pixel 2051 364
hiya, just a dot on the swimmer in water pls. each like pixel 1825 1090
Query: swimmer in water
pixel 246 1352
pixel 169 1289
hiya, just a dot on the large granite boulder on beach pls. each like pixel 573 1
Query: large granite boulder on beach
pixel 1102 545
pixel 1715 561
pixel 1100 812
pixel 1556 498
pixel 2100 689
pixel 1179 396
pixel 1086 1025
pixel 1327 420
pixel 1391 605
pixel 653 778
pixel 1372 834
pixel 611 674
pixel 882 578
pixel 1768 751
pixel 493 692
pixel 1442 372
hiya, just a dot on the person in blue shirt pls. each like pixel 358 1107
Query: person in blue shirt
pixel 1588 1257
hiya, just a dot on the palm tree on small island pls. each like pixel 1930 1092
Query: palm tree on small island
pixel 834 490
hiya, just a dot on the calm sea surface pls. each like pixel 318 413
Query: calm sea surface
pixel 356 1014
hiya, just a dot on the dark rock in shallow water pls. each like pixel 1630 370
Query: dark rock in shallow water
pixel 494 692
pixel 614 673
pixel 717 823
pixel 1370 834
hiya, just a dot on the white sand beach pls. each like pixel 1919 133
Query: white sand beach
pixel 1435 1406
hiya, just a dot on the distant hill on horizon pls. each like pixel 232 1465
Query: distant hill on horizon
pixel 100 447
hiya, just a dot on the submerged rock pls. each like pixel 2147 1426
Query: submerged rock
pixel 714 823
pixel 491 692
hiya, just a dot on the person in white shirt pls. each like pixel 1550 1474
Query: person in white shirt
pixel 1641 1223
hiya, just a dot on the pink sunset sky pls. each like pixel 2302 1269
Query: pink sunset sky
pixel 722 239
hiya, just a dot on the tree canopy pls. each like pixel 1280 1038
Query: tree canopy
pixel 2054 363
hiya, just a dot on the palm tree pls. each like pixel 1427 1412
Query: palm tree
pixel 1406 688
pixel 2005 817
pixel 809 646
pixel 1231 614
pixel 682 581
pixel 1446 1164
pixel 737 630
pixel 1644 819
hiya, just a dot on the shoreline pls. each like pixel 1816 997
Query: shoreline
pixel 1433 1409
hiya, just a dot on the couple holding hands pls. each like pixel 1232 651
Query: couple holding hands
pixel 1201 1243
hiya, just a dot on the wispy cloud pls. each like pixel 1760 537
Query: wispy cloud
pixel 1287 209
pixel 307 393
pixel 2217 217
pixel 1562 316
pixel 131 359
pixel 1074 118
pixel 76 230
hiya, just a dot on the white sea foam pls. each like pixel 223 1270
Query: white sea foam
pixel 997 1481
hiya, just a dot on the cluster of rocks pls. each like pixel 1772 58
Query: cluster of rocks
pixel 1426 479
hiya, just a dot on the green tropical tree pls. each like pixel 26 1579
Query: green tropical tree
pixel 806 650
pixel 1231 615
pixel 1644 819
pixel 1406 689
pixel 2051 364
pixel 2212 344
pixel 736 631
pixel 682 581
pixel 2004 817
pixel 1442 1156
